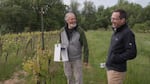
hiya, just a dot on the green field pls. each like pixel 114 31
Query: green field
pixel 17 48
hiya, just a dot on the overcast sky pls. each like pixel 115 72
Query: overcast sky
pixel 109 3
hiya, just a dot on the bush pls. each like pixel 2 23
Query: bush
pixel 142 27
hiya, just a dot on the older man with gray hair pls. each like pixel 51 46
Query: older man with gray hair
pixel 73 38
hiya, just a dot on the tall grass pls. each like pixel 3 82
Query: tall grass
pixel 138 69
pixel 137 73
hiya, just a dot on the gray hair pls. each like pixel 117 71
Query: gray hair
pixel 68 14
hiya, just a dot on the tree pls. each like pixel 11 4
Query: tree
pixel 103 17
pixel 88 15
pixel 51 9
pixel 74 6
pixel 14 17
pixel 24 15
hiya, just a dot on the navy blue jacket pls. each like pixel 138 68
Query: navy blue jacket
pixel 122 48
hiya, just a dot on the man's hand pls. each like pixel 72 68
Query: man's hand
pixel 85 64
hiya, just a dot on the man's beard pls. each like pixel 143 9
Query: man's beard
pixel 72 25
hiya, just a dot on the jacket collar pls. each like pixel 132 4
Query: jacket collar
pixel 120 28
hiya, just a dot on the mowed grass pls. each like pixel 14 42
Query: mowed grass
pixel 99 41
pixel 98 45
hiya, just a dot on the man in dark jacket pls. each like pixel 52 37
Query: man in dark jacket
pixel 73 38
pixel 122 48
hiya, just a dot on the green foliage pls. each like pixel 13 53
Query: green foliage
pixel 38 66
pixel 11 55
pixel 24 48
pixel 88 15
pixel 142 27
pixel 16 15
pixel 25 15
pixel 75 6
pixel 103 17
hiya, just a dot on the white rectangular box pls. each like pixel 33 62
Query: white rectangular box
pixel 60 53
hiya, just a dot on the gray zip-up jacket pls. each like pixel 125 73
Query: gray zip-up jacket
pixel 74 40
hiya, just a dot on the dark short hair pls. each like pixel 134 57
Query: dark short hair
pixel 122 12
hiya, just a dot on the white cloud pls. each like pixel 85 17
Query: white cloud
pixel 108 3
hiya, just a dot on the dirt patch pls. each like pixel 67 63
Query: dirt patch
pixel 17 78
